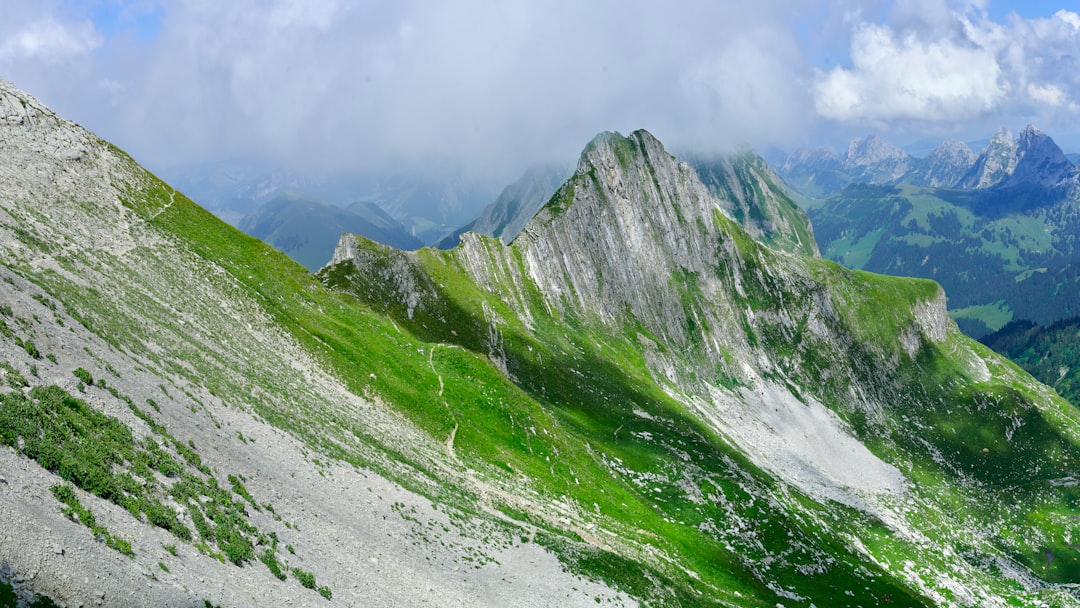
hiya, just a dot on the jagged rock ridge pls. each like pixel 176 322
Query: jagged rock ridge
pixel 1033 159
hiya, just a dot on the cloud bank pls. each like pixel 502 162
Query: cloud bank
pixel 942 67
pixel 489 87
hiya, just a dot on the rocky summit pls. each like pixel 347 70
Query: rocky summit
pixel 637 401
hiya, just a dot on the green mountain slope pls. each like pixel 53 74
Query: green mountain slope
pixel 1000 254
pixel 681 415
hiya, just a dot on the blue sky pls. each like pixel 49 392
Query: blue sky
pixel 492 86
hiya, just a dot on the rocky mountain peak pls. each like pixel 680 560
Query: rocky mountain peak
pixel 996 162
pixel 876 161
pixel 1039 160
pixel 611 236
pixel 28 125
pixel 952 150
pixel 945 166
pixel 872 150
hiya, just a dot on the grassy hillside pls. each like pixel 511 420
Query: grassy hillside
pixel 999 255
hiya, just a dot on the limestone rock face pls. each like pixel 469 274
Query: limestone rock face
pixel 874 156
pixel 945 167
pixel 634 234
pixel 637 279
pixel 996 162
pixel 612 235
pixel 1040 161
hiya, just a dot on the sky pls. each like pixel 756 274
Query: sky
pixel 488 87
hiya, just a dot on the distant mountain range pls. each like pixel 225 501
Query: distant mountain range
pixel 1031 159
pixel 997 229
pixel 428 204
pixel 307 230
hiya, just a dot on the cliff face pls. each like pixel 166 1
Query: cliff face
pixel 611 236
pixel 634 232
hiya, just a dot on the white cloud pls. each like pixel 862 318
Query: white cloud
pixel 352 84
pixel 947 64
pixel 900 76
pixel 494 86
pixel 49 40
pixel 1050 94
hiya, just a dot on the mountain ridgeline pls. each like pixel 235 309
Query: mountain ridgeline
pixel 635 402
pixel 1033 159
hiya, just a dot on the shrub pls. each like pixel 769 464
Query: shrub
pixel 84 376
pixel 306 579
pixel 272 563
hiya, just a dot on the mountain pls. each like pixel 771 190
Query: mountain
pixel 813 172
pixel 944 167
pixel 428 203
pixel 998 239
pixel 516 205
pixel 1041 162
pixel 824 172
pixel 634 402
pixel 695 356
pixel 995 163
pixel 752 194
pixel 871 159
pixel 1001 255
pixel 189 418
pixel 1033 158
pixel 307 230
